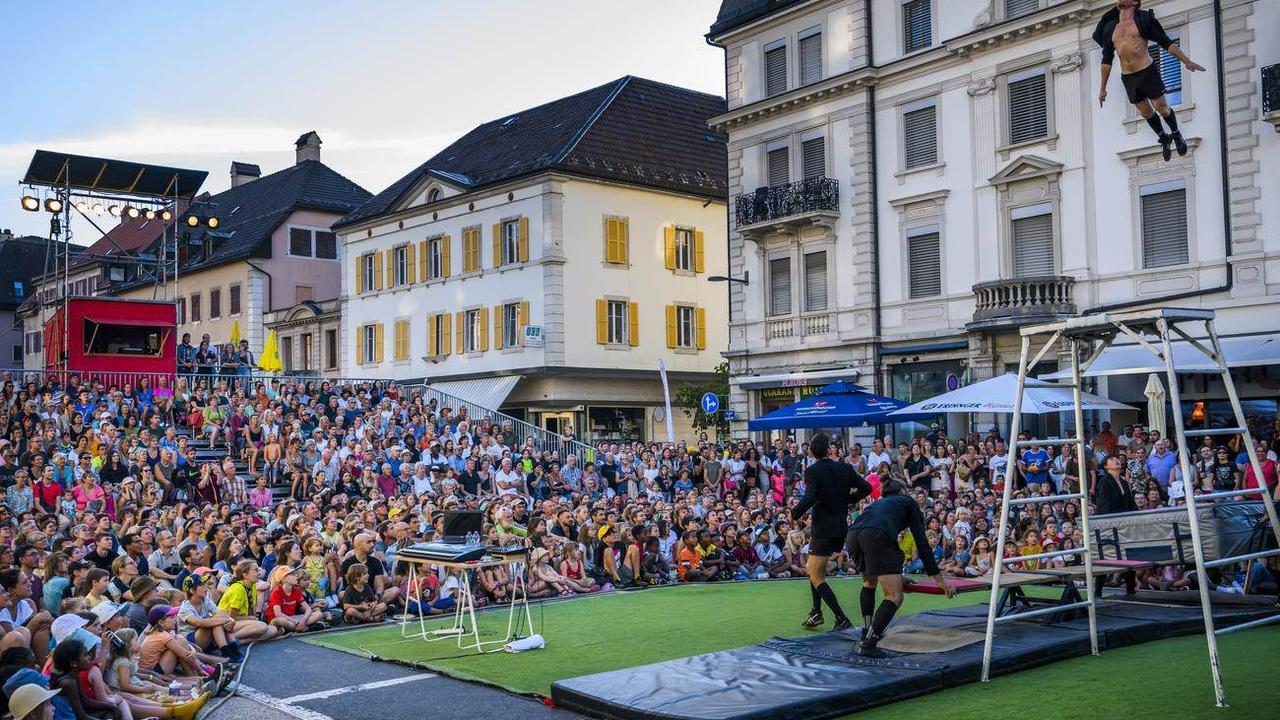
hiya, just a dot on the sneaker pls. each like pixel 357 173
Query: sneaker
pixel 868 649
pixel 1166 147
pixel 842 624
pixel 1180 143
pixel 814 620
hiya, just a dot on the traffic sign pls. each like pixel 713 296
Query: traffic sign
pixel 709 403
pixel 730 415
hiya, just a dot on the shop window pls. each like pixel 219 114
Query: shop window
pixel 616 424
pixel 112 339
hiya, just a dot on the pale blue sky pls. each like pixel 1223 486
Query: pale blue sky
pixel 385 83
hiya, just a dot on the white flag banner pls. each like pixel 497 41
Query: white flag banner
pixel 666 395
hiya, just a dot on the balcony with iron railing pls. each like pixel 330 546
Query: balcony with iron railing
pixel 1271 95
pixel 1012 303
pixel 788 207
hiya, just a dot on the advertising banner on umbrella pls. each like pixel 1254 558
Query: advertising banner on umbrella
pixel 997 396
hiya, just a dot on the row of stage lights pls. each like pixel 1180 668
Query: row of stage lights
pixel 31 203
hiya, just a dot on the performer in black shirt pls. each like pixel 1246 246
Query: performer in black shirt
pixel 831 488
pixel 873 547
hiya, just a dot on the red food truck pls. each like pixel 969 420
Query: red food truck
pixel 114 340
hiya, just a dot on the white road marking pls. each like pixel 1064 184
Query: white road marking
pixel 300 713
pixel 355 688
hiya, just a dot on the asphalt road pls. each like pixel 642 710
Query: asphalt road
pixel 291 680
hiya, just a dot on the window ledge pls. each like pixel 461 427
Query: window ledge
pixel 615 266
pixel 1050 141
pixel 1186 113
pixel 684 273
pixel 938 167
pixel 684 351
pixel 617 347
pixel 513 350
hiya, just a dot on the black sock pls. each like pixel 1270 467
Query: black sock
pixel 868 599
pixel 884 616
pixel 829 596
pixel 1154 122
pixel 817 600
pixel 1172 121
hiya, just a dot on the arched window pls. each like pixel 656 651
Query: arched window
pixel 433 195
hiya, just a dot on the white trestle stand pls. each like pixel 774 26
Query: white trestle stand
pixel 464 628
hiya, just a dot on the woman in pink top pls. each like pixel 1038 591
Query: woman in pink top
pixel 87 491
pixel 1268 469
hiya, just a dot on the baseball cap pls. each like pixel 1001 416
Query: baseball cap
pixel 24 676
pixel 27 698
pixel 194 580
pixel 160 612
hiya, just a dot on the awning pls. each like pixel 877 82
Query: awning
pixel 480 393
pixel 1241 351
pixel 795 379
pixel 839 404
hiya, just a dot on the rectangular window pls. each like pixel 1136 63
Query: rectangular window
pixel 402 340
pixel 1028 106
pixel 305 242
pixel 686 326
pixel 113 339
pixel 471 249
pixel 924 262
pixel 472 331
pixel 435 258
pixel 326 245
pixel 813 158
pixel 1164 225
pixel 330 349
pixel 780 286
pixel 195 307
pixel 305 341
pixel 810 56
pixel 775 68
pixel 510 241
pixel 182 311
pixel 920 134
pixel 233 297
pixel 400 265
pixel 369 343
pixel 300 242
pixel 1170 70
pixel 779 170
pixel 618 322
pixel 815 281
pixel 286 353
pixel 917 25
pixel 215 303
pixel 1032 233
pixel 116 274
pixel 511 325
pixel 684 249
pixel 369 268
pixel 439 333
pixel 1018 8
pixel 17 355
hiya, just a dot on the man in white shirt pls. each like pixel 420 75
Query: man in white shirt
pixel 877 456
pixel 422 484
pixel 507 480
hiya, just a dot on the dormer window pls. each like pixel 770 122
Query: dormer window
pixel 433 195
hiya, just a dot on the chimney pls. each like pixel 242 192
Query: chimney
pixel 308 147
pixel 243 172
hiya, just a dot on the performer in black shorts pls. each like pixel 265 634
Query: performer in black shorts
pixel 873 547
pixel 831 488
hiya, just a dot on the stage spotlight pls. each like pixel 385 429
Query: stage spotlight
pixel 82 206
pixel 150 214
pixel 165 215
pixel 192 221
pixel 97 208
pixel 53 205
pixel 30 203
pixel 131 212
pixel 113 210
pixel 212 222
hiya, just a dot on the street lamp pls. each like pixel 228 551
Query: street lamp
pixel 745 279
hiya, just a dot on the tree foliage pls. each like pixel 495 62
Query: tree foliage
pixel 688 398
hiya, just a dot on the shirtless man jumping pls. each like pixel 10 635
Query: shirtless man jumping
pixel 1125 30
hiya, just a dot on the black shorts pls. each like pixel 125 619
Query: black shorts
pixel 1145 84
pixel 874 553
pixel 825 547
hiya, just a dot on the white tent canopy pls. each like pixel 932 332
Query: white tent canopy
pixel 997 395
pixel 1240 351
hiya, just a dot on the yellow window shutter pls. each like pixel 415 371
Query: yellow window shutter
pixel 497 244
pixel 404 342
pixel 422 261
pixel 669 235
pixel 446 255
pixel 672 338
pixel 472 252
pixel 633 323
pixel 446 334
pixel 397 335
pixel 524 239
pixel 483 340
pixel 411 264
pixel 624 240
pixel 497 327
pixel 433 338
pixel 377 342
pixel 359 274
pixel 699 258
pixel 377 271
pixel 602 321
pixel 461 330
pixel 360 345
pixel 611 240
pixel 522 317
pixel 391 269
pixel 700 322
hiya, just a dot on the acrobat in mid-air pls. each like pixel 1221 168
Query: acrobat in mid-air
pixel 1125 31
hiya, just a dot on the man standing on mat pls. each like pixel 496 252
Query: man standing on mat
pixel 831 488
pixel 873 547
pixel 1125 30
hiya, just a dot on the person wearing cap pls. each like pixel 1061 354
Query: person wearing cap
pixel 287 608
pixel 31 702
pixel 163 651
pixel 202 623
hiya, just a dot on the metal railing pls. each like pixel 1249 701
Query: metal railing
pixel 1017 300
pixel 1271 89
pixel 782 201
pixel 77 378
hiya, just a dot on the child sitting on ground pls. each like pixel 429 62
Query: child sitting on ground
pixel 134 684
pixel 359 603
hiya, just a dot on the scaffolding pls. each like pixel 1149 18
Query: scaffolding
pixel 1151 330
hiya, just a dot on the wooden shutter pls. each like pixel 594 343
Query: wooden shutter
pixel 446 335
pixel 700 320
pixel 377 342
pixel 524 239
pixel 1164 228
pixel 499 322
pixel 461 330
pixel 471 249
pixel 424 254
pixel 672 335
pixel 359 274
pixel 611 240
pixel 775 71
pixel 390 277
pixel 401 340
pixel 924 265
pixel 1028 108
pixel 920 137
pixel 522 320
pixel 411 264
pixel 669 244
pixel 811 59
pixel 813 158
pixel 446 255
pixel 483 340
pixel 633 323
pixel 699 251
pixel 497 244
pixel 779 170
pixel 377 270
pixel 602 321
pixel 1033 246
pixel 433 336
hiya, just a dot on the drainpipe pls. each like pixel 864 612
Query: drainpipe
pixel 875 210
pixel 1226 193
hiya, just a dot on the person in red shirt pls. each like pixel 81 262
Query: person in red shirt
pixel 287 608
pixel 1268 469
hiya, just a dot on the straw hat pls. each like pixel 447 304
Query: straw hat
pixel 28 698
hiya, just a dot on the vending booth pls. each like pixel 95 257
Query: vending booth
pixel 113 340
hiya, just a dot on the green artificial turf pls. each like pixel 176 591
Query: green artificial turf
pixel 619 630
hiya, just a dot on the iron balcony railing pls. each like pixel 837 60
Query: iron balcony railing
pixel 1271 89
pixel 783 201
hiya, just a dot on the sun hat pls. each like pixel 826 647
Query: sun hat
pixel 24 676
pixel 64 625
pixel 160 612
pixel 27 698
pixel 141 586
pixel 538 554
pixel 106 610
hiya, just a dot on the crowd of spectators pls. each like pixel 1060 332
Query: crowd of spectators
pixel 163 528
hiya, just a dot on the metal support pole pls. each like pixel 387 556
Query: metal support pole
pixel 1083 469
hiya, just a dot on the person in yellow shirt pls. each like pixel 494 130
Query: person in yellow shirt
pixel 239 601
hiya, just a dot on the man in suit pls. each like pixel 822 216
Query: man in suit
pixel 831 488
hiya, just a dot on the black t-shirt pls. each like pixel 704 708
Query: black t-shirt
pixel 354 596
pixel 186 476
pixel 915 466
pixel 1224 476
pixel 470 482
pixel 101 561
pixel 373 563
